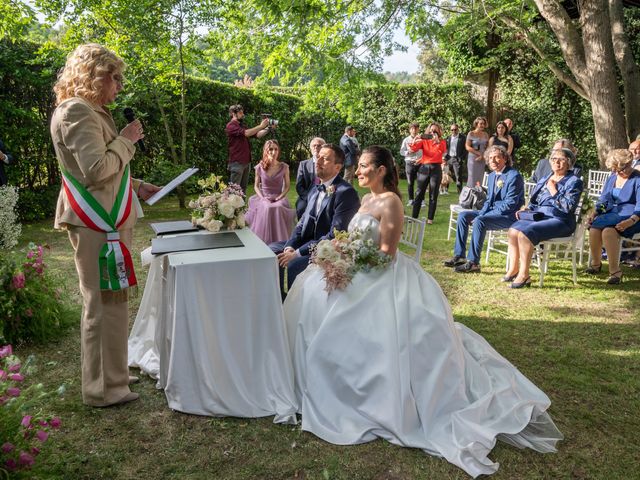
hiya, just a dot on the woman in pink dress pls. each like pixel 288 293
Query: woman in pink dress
pixel 270 217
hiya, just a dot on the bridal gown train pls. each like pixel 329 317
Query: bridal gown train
pixel 384 359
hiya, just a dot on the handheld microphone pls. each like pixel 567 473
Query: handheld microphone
pixel 130 116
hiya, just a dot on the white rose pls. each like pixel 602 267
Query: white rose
pixel 214 226
pixel 226 209
pixel 236 200
pixel 207 201
pixel 192 204
pixel 240 220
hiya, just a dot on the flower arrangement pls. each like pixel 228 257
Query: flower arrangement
pixel 345 255
pixel 30 300
pixel 220 207
pixel 24 428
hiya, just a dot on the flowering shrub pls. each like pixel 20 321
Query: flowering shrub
pixel 11 229
pixel 221 206
pixel 30 302
pixel 24 427
pixel 345 255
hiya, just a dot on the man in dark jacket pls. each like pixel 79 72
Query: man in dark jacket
pixel 5 159
pixel 456 154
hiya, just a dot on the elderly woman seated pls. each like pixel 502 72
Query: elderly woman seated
pixel 550 214
pixel 617 213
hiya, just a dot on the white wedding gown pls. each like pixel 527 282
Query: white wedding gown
pixel 384 358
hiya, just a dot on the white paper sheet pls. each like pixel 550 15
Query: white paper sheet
pixel 171 185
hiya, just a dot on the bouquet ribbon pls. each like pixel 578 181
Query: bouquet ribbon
pixel 114 260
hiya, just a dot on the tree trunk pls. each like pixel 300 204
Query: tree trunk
pixel 491 94
pixel 608 117
pixel 628 69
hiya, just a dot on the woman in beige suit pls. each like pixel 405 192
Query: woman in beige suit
pixel 95 207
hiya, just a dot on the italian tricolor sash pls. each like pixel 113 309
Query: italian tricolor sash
pixel 114 260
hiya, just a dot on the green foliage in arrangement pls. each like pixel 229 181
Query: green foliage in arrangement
pixel 31 299
pixel 11 228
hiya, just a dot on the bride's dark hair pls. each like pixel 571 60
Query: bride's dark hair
pixel 382 157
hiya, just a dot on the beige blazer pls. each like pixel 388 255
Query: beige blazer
pixel 88 146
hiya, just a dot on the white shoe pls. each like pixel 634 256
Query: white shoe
pixel 410 203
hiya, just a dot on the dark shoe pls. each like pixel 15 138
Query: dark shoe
pixel 468 267
pixel 509 278
pixel 593 269
pixel 133 379
pixel 526 283
pixel 454 262
pixel 615 278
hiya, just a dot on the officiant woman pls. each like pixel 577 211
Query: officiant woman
pixel 96 206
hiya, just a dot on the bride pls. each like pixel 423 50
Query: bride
pixel 383 358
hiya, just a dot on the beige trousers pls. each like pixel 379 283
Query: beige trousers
pixel 104 327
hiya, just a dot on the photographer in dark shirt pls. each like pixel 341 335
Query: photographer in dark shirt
pixel 239 148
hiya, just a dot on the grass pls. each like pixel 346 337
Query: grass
pixel 580 344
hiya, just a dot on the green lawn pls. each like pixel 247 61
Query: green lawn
pixel 580 344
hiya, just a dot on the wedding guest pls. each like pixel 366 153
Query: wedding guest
pixel 5 159
pixel 350 148
pixel 543 168
pixel 270 217
pixel 506 196
pixel 429 169
pixel 456 154
pixel 634 148
pixel 476 144
pixel 517 143
pixel 331 206
pixel 410 159
pixel 617 214
pixel 306 177
pixel 95 162
pixel 502 138
pixel 550 214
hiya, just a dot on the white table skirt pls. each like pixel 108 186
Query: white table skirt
pixel 211 329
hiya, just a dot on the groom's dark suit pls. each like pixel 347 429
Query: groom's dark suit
pixel 336 211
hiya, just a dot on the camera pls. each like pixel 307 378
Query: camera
pixel 272 121
pixel 426 136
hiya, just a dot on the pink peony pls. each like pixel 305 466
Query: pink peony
pixel 11 464
pixel 25 459
pixel 16 377
pixel 7 447
pixel 15 367
pixel 35 450
pixel 13 391
pixel 18 281
pixel 55 422
pixel 30 254
pixel 42 435
pixel 43 423
pixel 26 421
pixel 5 351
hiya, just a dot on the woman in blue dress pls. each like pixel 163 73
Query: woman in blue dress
pixel 617 214
pixel 550 214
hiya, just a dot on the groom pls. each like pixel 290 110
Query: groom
pixel 331 205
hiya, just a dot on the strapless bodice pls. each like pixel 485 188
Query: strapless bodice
pixel 368 225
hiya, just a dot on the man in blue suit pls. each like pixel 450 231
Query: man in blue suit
pixel 506 196
pixel 331 205
pixel 306 178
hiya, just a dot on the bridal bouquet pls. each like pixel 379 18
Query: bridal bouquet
pixel 345 255
pixel 220 207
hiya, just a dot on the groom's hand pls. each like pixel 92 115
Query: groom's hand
pixel 286 256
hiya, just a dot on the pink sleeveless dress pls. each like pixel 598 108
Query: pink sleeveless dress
pixel 271 221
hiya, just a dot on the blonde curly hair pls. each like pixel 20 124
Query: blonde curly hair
pixel 85 71
pixel 619 159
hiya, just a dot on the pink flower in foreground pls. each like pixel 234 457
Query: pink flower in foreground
pixel 43 423
pixel 15 367
pixel 5 351
pixel 18 281
pixel 13 391
pixel 26 421
pixel 35 450
pixel 11 464
pixel 16 377
pixel 42 436
pixel 26 459
pixel 3 374
pixel 7 447
pixel 55 422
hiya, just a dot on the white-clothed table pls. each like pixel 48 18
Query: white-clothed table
pixel 210 328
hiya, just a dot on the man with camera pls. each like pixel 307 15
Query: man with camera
pixel 239 148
